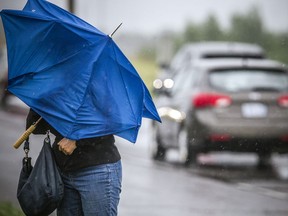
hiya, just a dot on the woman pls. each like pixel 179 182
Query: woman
pixel 91 171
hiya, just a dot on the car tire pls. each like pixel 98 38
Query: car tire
pixel 264 160
pixel 157 151
pixel 183 144
pixel 192 156
pixel 187 154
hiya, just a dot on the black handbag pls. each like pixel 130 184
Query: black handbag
pixel 40 188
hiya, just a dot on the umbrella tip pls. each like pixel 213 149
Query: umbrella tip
pixel 110 35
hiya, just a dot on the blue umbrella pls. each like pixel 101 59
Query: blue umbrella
pixel 72 74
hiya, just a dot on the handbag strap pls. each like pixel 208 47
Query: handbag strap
pixel 27 145
pixel 47 138
pixel 26 162
pixel 26 148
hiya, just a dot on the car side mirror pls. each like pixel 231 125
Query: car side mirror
pixel 164 66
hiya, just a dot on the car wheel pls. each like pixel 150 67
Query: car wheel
pixel 264 159
pixel 187 155
pixel 183 144
pixel 157 151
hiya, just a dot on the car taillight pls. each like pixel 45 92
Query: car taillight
pixel 283 101
pixel 203 100
pixel 220 137
pixel 284 138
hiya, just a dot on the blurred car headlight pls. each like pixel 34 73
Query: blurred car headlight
pixel 157 84
pixel 168 83
pixel 171 113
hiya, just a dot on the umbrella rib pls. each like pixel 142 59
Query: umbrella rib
pixel 123 81
pixel 85 93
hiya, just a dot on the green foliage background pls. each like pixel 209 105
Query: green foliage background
pixel 243 28
pixel 7 209
pixel 246 27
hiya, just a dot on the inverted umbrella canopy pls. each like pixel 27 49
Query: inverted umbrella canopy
pixel 72 74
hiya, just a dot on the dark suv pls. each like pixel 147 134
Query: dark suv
pixel 238 105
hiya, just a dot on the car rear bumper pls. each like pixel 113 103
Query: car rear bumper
pixel 250 135
pixel 241 128
pixel 246 145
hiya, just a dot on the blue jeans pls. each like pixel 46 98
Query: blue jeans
pixel 92 191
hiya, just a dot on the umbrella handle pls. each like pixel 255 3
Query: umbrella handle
pixel 26 134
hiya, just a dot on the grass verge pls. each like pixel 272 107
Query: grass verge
pixel 147 69
pixel 7 209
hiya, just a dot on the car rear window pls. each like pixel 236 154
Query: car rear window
pixel 249 80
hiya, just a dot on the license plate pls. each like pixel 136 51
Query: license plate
pixel 254 110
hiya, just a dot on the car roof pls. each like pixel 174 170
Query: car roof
pixel 214 64
pixel 217 48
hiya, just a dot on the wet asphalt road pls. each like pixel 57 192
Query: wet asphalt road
pixel 224 184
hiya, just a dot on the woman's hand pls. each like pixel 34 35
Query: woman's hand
pixel 67 146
